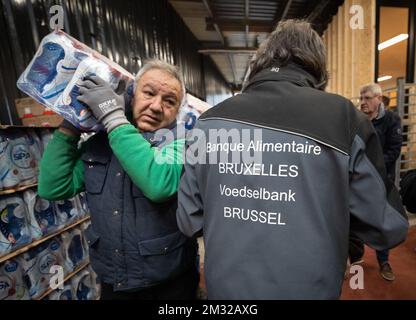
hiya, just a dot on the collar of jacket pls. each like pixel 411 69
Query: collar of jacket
pixel 292 73
pixel 381 112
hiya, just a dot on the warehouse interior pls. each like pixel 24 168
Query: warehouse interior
pixel 212 42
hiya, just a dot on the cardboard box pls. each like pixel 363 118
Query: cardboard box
pixel 43 121
pixel 28 106
pixel 33 114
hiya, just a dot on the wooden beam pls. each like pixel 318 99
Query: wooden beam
pixel 230 59
pixel 281 13
pixel 208 6
pixel 364 60
pixel 330 59
pixel 318 10
pixel 334 44
pixel 340 51
pixel 247 7
pixel 209 44
pixel 286 9
pixel 211 12
pixel 347 51
pixel 198 1
pixel 231 50
pixel 239 25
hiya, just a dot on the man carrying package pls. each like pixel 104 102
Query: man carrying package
pixel 136 248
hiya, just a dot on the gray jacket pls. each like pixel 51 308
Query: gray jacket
pixel 278 228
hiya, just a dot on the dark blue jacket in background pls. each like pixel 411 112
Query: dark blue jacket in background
pixel 389 132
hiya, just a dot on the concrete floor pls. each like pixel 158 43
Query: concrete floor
pixel 403 263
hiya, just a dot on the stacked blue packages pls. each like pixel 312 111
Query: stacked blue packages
pixel 12 286
pixel 42 211
pixel 19 157
pixel 16 226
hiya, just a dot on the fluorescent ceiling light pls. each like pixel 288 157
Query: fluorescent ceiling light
pixel 384 78
pixel 393 41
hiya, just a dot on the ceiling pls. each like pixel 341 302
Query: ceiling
pixel 230 31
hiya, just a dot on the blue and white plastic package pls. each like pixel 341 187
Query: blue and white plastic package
pixel 16 226
pixel 51 76
pixel 19 157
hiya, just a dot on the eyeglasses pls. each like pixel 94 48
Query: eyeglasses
pixel 367 98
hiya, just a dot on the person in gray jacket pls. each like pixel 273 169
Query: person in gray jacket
pixel 276 177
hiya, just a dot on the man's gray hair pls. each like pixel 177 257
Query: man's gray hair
pixel 166 67
pixel 373 88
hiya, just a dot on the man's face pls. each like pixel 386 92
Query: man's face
pixel 369 103
pixel 156 100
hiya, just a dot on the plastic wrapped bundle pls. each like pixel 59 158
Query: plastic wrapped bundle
pixel 45 137
pixel 190 111
pixel 84 228
pixel 51 69
pixel 67 293
pixel 37 264
pixel 52 75
pixel 82 205
pixel 77 112
pixel 29 197
pixel 42 211
pixel 19 157
pixel 15 224
pixel 74 248
pixel 95 283
pixel 35 145
pixel 66 211
pixel 12 286
pixel 83 286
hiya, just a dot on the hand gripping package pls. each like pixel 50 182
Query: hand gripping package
pixel 52 76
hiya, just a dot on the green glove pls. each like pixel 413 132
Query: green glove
pixel 106 105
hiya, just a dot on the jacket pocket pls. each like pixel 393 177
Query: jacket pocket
pixel 165 257
pixel 163 245
pixel 95 171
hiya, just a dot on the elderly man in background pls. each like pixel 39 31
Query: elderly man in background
pixel 389 133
